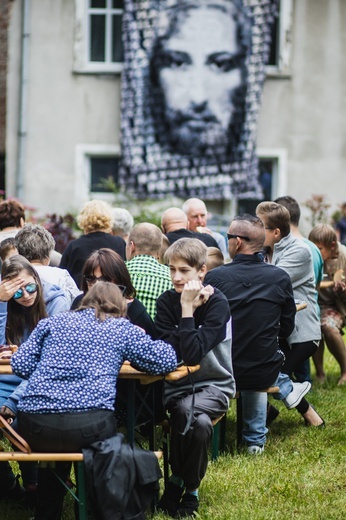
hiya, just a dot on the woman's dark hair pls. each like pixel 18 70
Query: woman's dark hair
pixel 113 269
pixel 11 213
pixel 106 299
pixel 19 318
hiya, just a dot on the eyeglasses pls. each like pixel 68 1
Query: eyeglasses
pixel 237 236
pixel 30 288
pixel 91 280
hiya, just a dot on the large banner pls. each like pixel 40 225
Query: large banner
pixel 191 92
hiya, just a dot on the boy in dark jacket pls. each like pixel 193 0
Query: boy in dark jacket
pixel 195 320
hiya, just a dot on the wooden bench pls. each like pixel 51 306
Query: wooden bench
pixel 219 433
pixel 77 458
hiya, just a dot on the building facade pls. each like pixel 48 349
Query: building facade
pixel 63 95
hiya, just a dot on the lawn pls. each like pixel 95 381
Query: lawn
pixel 301 475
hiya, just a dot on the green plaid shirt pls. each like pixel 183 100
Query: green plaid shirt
pixel 150 279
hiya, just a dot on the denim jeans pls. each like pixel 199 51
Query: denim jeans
pixel 254 405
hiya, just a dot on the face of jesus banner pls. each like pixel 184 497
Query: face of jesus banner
pixel 191 92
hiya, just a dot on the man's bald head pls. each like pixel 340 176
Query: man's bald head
pixel 144 239
pixel 173 219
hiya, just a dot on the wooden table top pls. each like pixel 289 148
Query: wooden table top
pixel 128 372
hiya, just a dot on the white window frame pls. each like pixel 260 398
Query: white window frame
pixel 279 178
pixel 83 154
pixel 283 69
pixel 81 62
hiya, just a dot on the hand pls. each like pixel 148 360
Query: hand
pixel 202 229
pixel 194 295
pixel 9 287
pixel 339 286
pixel 7 414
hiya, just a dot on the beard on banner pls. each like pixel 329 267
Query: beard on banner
pixel 191 92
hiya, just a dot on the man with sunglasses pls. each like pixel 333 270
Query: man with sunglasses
pixel 262 307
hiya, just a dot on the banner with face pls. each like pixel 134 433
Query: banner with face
pixel 191 92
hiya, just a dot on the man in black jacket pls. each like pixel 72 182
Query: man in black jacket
pixel 262 307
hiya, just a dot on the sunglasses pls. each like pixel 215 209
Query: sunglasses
pixel 91 280
pixel 30 288
pixel 237 236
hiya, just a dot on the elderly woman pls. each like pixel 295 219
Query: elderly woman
pixel 96 221
pixel 36 243
pixel 69 402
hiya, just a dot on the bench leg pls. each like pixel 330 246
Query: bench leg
pixel 81 492
pixel 215 442
pixel 239 421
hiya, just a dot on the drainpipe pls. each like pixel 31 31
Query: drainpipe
pixel 23 99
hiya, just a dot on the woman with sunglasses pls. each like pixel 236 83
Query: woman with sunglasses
pixel 22 306
pixel 105 265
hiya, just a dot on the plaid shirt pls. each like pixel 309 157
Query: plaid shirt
pixel 150 279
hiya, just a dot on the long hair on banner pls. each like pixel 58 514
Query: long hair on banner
pixel 191 92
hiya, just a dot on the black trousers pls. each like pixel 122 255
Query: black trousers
pixel 295 355
pixel 189 452
pixel 66 433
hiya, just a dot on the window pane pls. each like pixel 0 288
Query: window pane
pixel 274 44
pixel 266 171
pixel 103 169
pixel 97 38
pixel 117 46
pixel 97 3
pixel 118 4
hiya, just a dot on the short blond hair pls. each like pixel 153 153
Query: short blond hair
pixel 96 215
pixel 192 250
pixel 323 234
pixel 214 258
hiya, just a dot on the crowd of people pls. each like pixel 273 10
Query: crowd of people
pixel 182 294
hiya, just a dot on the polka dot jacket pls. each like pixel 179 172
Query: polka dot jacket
pixel 72 361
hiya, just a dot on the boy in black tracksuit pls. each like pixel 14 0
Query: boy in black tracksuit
pixel 196 321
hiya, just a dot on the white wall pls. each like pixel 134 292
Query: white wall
pixel 64 108
pixel 305 114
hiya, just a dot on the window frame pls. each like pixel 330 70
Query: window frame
pixel 284 65
pixel 82 186
pixel 81 62
pixel 279 178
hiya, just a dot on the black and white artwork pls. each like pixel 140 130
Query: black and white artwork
pixel 191 92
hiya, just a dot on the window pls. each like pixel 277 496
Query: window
pixel 281 44
pixel 103 173
pixel 98 36
pixel 95 166
pixel 272 176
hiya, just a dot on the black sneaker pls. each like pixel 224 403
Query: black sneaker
pixel 188 506
pixel 170 499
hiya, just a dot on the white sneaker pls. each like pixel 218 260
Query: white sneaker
pixel 297 394
pixel 255 450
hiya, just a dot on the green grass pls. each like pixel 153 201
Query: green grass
pixel 301 475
